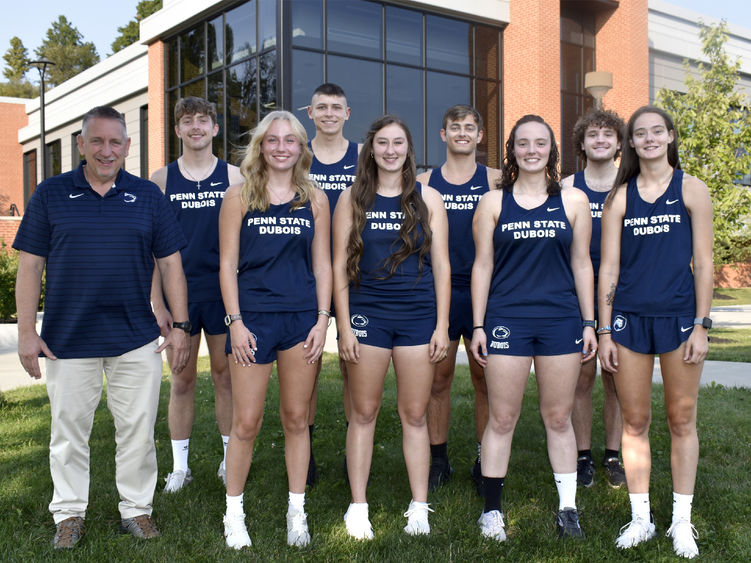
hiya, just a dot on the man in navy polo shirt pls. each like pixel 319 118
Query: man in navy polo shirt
pixel 98 231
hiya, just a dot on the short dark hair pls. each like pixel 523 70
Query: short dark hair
pixel 192 105
pixel 103 112
pixel 330 89
pixel 597 118
pixel 460 111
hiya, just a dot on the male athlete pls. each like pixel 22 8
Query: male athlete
pixel 597 137
pixel 461 181
pixel 194 185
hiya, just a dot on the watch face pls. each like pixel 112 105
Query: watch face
pixel 227 320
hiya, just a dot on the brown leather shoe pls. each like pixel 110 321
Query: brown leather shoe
pixel 68 532
pixel 141 526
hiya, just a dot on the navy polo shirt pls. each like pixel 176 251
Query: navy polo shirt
pixel 100 260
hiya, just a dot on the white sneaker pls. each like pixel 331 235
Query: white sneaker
pixel 492 526
pixel 222 473
pixel 635 532
pixel 235 532
pixel 684 539
pixel 297 528
pixel 417 518
pixel 357 522
pixel 176 480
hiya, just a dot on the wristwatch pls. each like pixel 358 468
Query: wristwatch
pixel 187 326
pixel 706 322
pixel 229 319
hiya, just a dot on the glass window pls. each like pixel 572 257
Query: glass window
pixel 173 144
pixel 449 43
pixel 240 32
pixel 242 103
pixel 307 74
pixel 487 52
pixel 443 91
pixel 75 155
pixel 215 93
pixel 267 23
pixel 354 28
pixel 172 62
pixel 403 36
pixel 307 24
pixel 193 89
pixel 267 83
pixel 29 174
pixel 215 43
pixel 488 103
pixel 362 81
pixel 54 159
pixel 404 96
pixel 192 54
pixel 143 124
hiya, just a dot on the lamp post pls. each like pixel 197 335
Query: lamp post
pixel 598 84
pixel 41 65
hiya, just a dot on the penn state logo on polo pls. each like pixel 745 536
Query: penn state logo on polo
pixel 619 323
pixel 499 333
pixel 359 322
pixel 128 197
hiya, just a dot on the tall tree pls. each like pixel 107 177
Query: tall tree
pixel 129 33
pixel 713 122
pixel 16 60
pixel 64 46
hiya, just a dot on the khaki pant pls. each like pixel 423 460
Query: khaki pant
pixel 74 387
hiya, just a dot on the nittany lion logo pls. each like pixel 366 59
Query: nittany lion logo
pixel 128 198
pixel 359 321
pixel 500 333
pixel 619 323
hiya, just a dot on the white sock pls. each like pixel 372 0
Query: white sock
pixel 235 504
pixel 180 454
pixel 682 507
pixel 297 501
pixel 639 506
pixel 225 441
pixel 566 484
pixel 479 451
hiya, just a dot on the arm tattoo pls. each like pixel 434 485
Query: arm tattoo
pixel 610 297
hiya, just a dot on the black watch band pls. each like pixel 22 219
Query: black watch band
pixel 187 326
pixel 706 322
pixel 591 324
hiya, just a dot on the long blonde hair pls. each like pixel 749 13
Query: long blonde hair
pixel 253 194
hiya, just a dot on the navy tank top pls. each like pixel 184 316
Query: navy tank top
pixel 409 291
pixel 596 203
pixel 460 202
pixel 532 274
pixel 197 210
pixel 275 271
pixel 656 250
pixel 334 178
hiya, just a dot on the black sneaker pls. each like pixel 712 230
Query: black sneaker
pixel 585 471
pixel 567 522
pixel 614 472
pixel 440 472
pixel 476 474
pixel 310 481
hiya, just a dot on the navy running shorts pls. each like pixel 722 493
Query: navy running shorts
pixel 650 335
pixel 516 336
pixel 388 333
pixel 275 331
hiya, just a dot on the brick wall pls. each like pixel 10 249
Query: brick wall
pixel 8 228
pixel 12 118
pixel 156 107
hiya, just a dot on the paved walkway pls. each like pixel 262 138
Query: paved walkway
pixel 729 374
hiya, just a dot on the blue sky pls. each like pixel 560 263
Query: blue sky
pixel 89 18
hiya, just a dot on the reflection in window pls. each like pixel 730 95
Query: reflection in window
pixel 307 24
pixel 307 74
pixel 443 91
pixel 192 54
pixel 354 28
pixel 215 43
pixel 448 44
pixel 487 52
pixel 403 36
pixel 267 83
pixel 404 97
pixel 488 103
pixel 267 24
pixel 361 81
pixel 215 93
pixel 241 106
pixel 240 32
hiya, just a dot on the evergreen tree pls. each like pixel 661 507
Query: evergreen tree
pixel 64 46
pixel 16 60
pixel 129 33
pixel 713 122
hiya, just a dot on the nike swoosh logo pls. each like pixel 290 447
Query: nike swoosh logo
pixel 212 184
pixel 349 166
pixel 671 202
pixel 71 196
pixel 686 329
pixel 553 209
pixel 475 187
pixel 579 340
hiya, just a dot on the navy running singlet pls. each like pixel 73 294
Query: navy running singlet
pixel 532 274
pixel 596 203
pixel 197 210
pixel 408 292
pixel 656 250
pixel 460 202
pixel 275 272
pixel 334 178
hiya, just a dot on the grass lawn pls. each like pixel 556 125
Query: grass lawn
pixel 737 296
pixel 191 521
pixel 730 344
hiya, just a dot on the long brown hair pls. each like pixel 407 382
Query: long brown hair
pixel 510 168
pixel 363 195
pixel 630 166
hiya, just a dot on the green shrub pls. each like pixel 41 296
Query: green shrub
pixel 8 271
